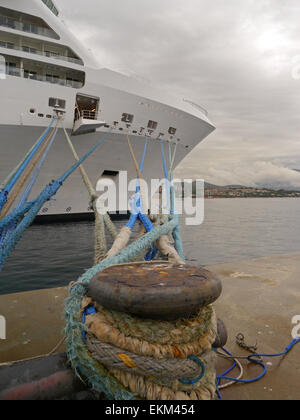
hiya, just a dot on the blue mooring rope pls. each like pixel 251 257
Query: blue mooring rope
pixel 251 359
pixel 35 207
pixel 139 215
pixel 26 193
pixel 4 193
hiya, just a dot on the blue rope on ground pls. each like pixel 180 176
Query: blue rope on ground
pixel 252 358
pixel 4 193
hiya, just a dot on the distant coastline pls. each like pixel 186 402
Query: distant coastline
pixel 239 191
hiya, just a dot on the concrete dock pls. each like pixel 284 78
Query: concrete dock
pixel 260 298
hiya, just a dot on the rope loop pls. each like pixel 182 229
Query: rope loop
pixel 201 363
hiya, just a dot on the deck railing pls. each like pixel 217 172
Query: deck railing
pixel 27 27
pixel 87 115
pixel 49 54
pixel 15 71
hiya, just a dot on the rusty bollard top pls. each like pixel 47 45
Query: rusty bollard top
pixel 156 291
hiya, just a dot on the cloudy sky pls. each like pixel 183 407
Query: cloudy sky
pixel 240 59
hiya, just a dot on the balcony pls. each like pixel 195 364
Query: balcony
pixel 48 54
pixel 17 72
pixel 87 115
pixel 86 121
pixel 11 23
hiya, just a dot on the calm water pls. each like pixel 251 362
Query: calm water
pixel 234 229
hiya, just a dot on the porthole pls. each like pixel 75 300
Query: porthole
pixel 32 111
pixel 48 116
pixel 41 115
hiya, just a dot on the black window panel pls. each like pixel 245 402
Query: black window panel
pixel 127 118
pixel 172 131
pixel 57 103
pixel 152 125
pixel 110 173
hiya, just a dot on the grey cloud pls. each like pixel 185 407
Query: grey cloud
pixel 234 57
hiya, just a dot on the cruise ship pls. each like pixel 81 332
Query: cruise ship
pixel 47 71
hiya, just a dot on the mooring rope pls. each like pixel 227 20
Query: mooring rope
pixel 25 176
pixel 44 196
pixel 102 218
pixel 9 183
pixel 29 187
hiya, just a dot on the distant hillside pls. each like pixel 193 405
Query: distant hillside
pixel 209 186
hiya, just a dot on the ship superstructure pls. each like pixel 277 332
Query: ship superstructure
pixel 45 71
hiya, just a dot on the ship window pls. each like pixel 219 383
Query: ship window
pixel 152 125
pixel 6 21
pixel 51 54
pixel 41 115
pixel 57 103
pixel 28 27
pixel 73 82
pixel 172 131
pixel 30 74
pixel 51 6
pixel 127 118
pixel 29 49
pixel 12 69
pixel 52 78
pixel 32 111
pixel 5 44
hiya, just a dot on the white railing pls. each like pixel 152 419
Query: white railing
pixel 15 71
pixel 27 27
pixel 199 107
pixel 86 115
pixel 74 60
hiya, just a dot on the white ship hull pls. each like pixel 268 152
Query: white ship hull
pixel 112 155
